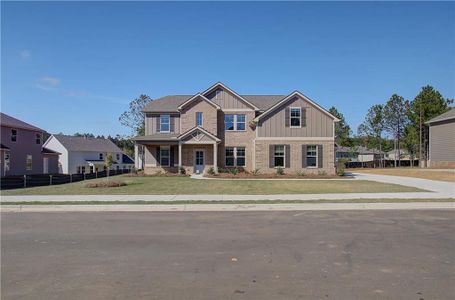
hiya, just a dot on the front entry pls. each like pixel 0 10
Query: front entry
pixel 199 161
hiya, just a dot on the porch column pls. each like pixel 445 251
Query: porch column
pixel 215 157
pixel 180 155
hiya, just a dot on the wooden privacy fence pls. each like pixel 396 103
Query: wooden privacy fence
pixel 23 181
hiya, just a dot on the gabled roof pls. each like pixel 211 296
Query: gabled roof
pixel 449 115
pixel 289 97
pixel 80 143
pixel 181 106
pixel 192 130
pixel 220 84
pixel 48 151
pixel 9 121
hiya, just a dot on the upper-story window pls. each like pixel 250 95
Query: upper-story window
pixel 101 156
pixel 38 138
pixel 118 156
pixel 295 116
pixel 165 123
pixel 13 135
pixel 199 118
pixel 234 122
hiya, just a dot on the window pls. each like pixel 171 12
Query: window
pixel 38 138
pixel 295 116
pixel 101 156
pixel 199 118
pixel 28 163
pixel 83 169
pixel 235 156
pixel 13 135
pixel 118 156
pixel 311 156
pixel 278 156
pixel 230 157
pixel 91 169
pixel 7 160
pixel 165 156
pixel 234 122
pixel 165 123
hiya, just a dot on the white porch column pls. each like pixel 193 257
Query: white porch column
pixel 215 157
pixel 180 155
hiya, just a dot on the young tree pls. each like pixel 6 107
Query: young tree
pixel 134 117
pixel 342 129
pixel 411 141
pixel 395 119
pixel 428 104
pixel 108 162
pixel 362 133
pixel 373 125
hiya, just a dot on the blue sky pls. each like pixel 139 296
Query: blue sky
pixel 74 67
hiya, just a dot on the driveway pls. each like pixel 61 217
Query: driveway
pixel 250 255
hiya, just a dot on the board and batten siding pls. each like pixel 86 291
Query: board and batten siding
pixel 227 100
pixel 317 124
pixel 442 141
pixel 152 121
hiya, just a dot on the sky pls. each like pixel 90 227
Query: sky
pixel 75 66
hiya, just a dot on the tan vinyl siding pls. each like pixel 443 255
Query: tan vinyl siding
pixel 318 124
pixel 442 142
pixel 151 121
pixel 227 100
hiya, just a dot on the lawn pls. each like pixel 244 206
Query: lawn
pixel 188 186
pixel 432 174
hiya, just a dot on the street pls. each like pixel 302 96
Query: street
pixel 229 255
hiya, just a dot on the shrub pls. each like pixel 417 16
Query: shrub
pixel 280 171
pixel 341 166
pixel 211 171
pixel 234 171
pixel 221 170
pixel 105 184
pixel 301 173
pixel 182 170
pixel 255 172
pixel 322 173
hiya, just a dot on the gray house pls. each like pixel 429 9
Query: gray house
pixel 22 151
pixel 442 140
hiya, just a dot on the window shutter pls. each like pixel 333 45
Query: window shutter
pixel 303 116
pixel 172 123
pixel 158 123
pixel 171 154
pixel 303 156
pixel 287 153
pixel 287 120
pixel 320 156
pixel 158 160
pixel 271 156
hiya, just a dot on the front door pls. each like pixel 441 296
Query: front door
pixel 199 161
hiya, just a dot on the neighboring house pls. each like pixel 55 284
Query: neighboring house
pixel 22 151
pixel 86 154
pixel 220 128
pixel 442 140
pixel 345 152
pixel 359 154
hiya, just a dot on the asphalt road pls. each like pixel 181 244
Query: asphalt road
pixel 229 255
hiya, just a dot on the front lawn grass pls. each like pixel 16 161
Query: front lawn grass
pixel 188 186
pixel 432 174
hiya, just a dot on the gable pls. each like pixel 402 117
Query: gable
pixel 200 98
pixel 198 135
pixel 227 98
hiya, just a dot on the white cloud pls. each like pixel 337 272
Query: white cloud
pixel 25 54
pixel 47 83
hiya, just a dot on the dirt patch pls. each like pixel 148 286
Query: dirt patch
pixel 105 184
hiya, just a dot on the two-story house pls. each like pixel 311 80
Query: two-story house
pixel 81 154
pixel 220 128
pixel 22 151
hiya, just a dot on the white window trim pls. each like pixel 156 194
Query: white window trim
pixel 284 157
pixel 317 158
pixel 202 118
pixel 168 157
pixel 235 123
pixel 290 117
pixel 17 134
pixel 161 124
pixel 234 156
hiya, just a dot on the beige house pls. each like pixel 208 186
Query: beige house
pixel 219 128
pixel 442 140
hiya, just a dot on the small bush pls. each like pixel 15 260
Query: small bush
pixel 182 171
pixel 105 184
pixel 255 172
pixel 234 171
pixel 322 173
pixel 211 171
pixel 280 171
pixel 301 173
pixel 341 166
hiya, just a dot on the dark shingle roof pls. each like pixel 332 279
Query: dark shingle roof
pixel 445 116
pixel 127 160
pixel 80 143
pixel 3 146
pixel 49 151
pixel 172 102
pixel 9 121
